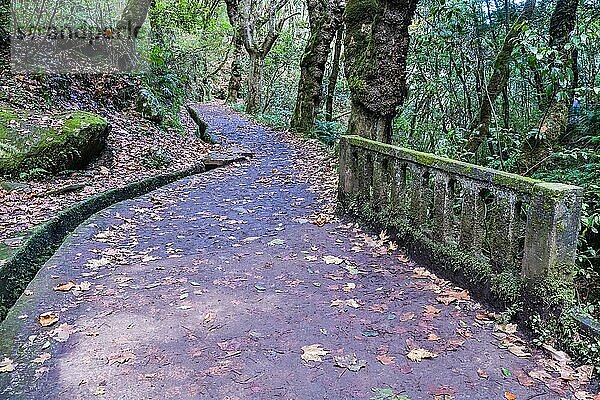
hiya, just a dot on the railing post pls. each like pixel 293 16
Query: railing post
pixel 552 232
pixel 442 207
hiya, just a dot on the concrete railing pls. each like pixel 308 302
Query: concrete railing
pixel 504 223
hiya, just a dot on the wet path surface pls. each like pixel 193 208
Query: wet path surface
pixel 209 289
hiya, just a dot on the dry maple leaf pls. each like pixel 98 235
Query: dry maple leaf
pixel 48 318
pixel 7 365
pixel 313 352
pixel 386 359
pixel 419 354
pixel 65 287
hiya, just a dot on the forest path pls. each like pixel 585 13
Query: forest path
pixel 209 288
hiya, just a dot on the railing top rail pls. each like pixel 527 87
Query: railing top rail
pixel 471 171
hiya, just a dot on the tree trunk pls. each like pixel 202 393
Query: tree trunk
pixel 325 19
pixel 538 148
pixel 333 78
pixel 376 47
pixel 253 102
pixel 480 127
pixel 235 80
pixel 133 17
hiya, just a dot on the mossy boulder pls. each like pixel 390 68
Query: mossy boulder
pixel 30 142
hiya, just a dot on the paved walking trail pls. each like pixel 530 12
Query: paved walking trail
pixel 210 287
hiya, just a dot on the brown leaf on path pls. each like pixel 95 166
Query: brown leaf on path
pixel 417 355
pixel 433 337
pixel 65 287
pixel 313 352
pixel 349 303
pixel 121 358
pixel 6 365
pixel 482 374
pixel 48 319
pixel 519 351
pixel 523 378
pixel 350 362
pixel 431 311
pixel 379 308
pixel 42 358
pixel 386 359
pixel 406 316
pixel 510 396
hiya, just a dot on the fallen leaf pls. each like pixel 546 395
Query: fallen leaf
pixel 349 286
pixel 482 374
pixel 386 359
pixel 417 355
pixel 519 351
pixel 210 317
pixel 83 286
pixel 431 311
pixel 433 337
pixel 62 333
pixel 7 365
pixel 407 316
pixel 276 242
pixel 349 303
pixel 507 328
pixel 313 352
pixel 121 358
pixel 48 319
pixel 350 362
pixel 333 260
pixel 510 396
pixel 523 378
pixel 65 287
pixel 42 358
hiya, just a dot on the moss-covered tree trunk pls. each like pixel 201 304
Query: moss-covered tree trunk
pixel 538 148
pixel 253 102
pixel 376 43
pixel 480 127
pixel 333 78
pixel 235 77
pixel 325 19
pixel 133 17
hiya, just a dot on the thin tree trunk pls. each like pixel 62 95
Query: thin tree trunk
pixel 255 83
pixel 480 127
pixel 235 79
pixel 333 78
pixel 376 47
pixel 536 149
pixel 325 20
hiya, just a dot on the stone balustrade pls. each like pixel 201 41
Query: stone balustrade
pixel 486 226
